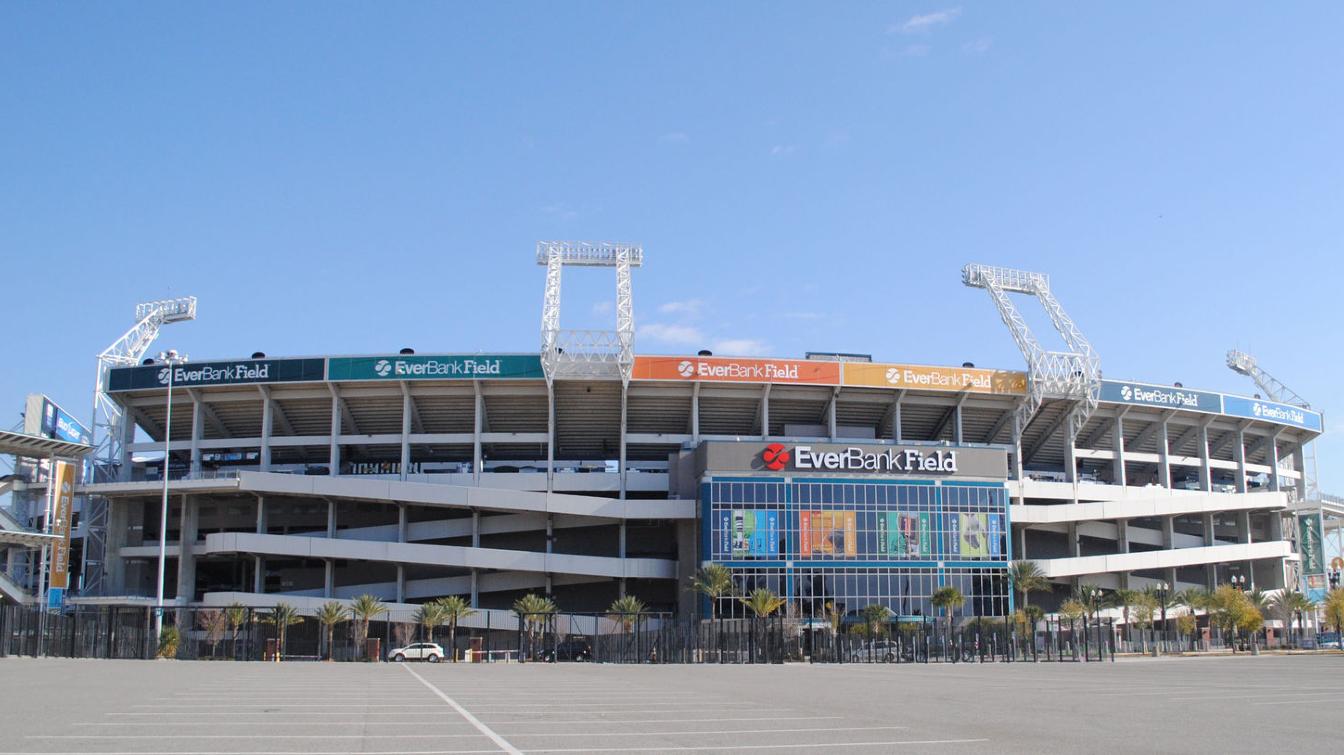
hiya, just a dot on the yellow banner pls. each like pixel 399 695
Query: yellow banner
pixel 63 482
pixel 922 378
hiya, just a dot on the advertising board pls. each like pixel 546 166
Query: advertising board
pixel 437 367
pixel 63 498
pixel 926 378
pixel 736 370
pixel 239 371
pixel 1269 411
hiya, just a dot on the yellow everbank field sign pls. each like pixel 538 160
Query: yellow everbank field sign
pixel 62 506
pixel 922 378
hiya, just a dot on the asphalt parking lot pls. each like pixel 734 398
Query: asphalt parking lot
pixel 1166 705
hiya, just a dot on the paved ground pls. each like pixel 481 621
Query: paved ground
pixel 1242 704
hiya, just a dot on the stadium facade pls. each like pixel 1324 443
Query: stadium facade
pixel 588 472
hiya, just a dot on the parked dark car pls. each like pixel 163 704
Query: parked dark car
pixel 570 650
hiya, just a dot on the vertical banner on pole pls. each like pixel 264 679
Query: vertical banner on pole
pixel 63 481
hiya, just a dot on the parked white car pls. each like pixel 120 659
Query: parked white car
pixel 419 651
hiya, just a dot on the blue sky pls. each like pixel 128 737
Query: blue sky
pixel 354 178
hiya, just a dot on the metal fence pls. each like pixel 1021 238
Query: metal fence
pixel 981 641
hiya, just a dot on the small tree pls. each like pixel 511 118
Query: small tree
pixel 533 610
pixel 330 614
pixel 429 616
pixel 455 609
pixel 363 609
pixel 1124 599
pixel 214 623
pixel 1333 608
pixel 168 641
pixel 714 581
pixel 1186 624
pixel 875 617
pixel 283 616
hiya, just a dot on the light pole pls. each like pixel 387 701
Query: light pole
pixel 1162 588
pixel 171 358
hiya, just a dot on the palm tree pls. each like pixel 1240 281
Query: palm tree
pixel 283 616
pixel 533 610
pixel 714 581
pixel 330 614
pixel 1194 599
pixel 455 609
pixel 363 609
pixel 947 599
pixel 428 616
pixel 236 615
pixel 1123 599
pixel 1026 577
pixel 875 615
pixel 762 602
pixel 625 611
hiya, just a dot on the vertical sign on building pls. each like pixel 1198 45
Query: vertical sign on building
pixel 1309 540
pixel 62 509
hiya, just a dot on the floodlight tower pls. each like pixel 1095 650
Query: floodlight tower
pixel 1245 364
pixel 588 353
pixel 109 422
pixel 1073 374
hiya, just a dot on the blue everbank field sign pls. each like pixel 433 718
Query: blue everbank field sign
pixel 436 367
pixel 1269 411
pixel 217 373
pixel 1167 397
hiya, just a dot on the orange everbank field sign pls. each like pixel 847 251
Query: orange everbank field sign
pixel 730 370
pixel 921 378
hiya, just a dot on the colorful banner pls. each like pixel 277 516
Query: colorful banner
pixel 1315 587
pixel 437 367
pixel 925 378
pixel 63 491
pixel 725 534
pixel 1309 542
pixel 996 535
pixel 755 533
pixel 732 370
pixel 830 533
pixel 925 535
pixel 974 535
pixel 46 418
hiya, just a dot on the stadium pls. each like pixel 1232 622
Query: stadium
pixel 588 470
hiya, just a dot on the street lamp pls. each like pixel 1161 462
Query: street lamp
pixel 171 358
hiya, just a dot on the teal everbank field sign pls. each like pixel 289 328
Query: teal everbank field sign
pixel 446 367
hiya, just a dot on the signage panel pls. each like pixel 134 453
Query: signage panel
pixel 1165 396
pixel 437 367
pixel 1309 540
pixel 856 459
pixel 924 378
pixel 828 533
pixel 46 418
pixel 755 533
pixel 63 492
pixel 733 370
pixel 217 373
pixel 1269 411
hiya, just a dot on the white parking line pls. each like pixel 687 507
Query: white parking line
pixel 678 732
pixel 246 736
pixel 795 746
pixel 273 722
pixel 623 721
pixel 1300 702
pixel 486 730
pixel 284 752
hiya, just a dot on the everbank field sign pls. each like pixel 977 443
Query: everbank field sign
pixel 732 370
pixel 855 459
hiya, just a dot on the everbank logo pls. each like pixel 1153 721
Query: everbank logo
pixel 765 371
pixel 775 456
pixel 1279 413
pixel 1159 396
pixel 431 367
pixel 213 373
pixel 382 367
pixel 686 369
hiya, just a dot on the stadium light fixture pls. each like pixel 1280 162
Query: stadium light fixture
pixel 172 359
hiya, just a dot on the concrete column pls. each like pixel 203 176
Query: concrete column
pixel 401 583
pixel 261 515
pixel 1021 547
pixel 1163 455
pixel 1075 547
pixel 475 590
pixel 258 575
pixel 1169 535
pixel 1209 537
pixel 334 453
pixel 620 463
pixel 329 583
pixel 896 418
pixel 114 566
pixel 1205 472
pixel 186 560
pixel 695 413
pixel 1018 472
pixel 127 438
pixel 331 518
pixel 267 419
pixel 1272 459
pixel 831 431
pixel 620 547
pixel 1244 527
pixel 477 426
pixel 475 529
pixel 197 430
pixel 1239 456
pixel 1122 535
pixel 550 438
pixel 405 431
pixel 1070 454
pixel 401 523
pixel 956 424
pixel 550 534
pixel 765 412
pixel 1118 447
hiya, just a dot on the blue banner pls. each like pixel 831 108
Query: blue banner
pixel 995 533
pixel 1167 397
pixel 1269 411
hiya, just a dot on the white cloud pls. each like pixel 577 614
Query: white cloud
pixel 923 23
pixel 675 137
pixel 783 149
pixel 603 307
pixel 674 334
pixel 977 46
pixel 559 210
pixel 689 308
pixel 741 347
